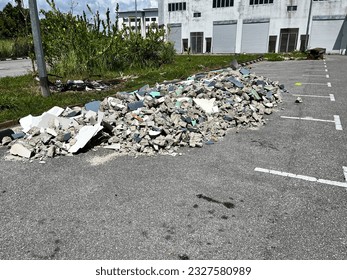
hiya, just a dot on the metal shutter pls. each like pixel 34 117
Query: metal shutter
pixel 327 34
pixel 255 37
pixel 175 36
pixel 224 38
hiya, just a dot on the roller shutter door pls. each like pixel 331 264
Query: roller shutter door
pixel 327 34
pixel 224 38
pixel 175 36
pixel 255 37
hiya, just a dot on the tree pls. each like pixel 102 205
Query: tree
pixel 14 21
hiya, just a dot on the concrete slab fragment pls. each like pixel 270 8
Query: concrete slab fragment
pixel 84 136
pixel 20 150
pixel 207 105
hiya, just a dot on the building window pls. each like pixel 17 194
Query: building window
pixel 153 19
pixel 222 3
pixel 196 42
pixel 125 20
pixel 179 6
pixel 197 15
pixel 292 8
pixel 147 19
pixel 260 2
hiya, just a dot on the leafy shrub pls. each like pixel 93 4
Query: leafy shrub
pixel 75 45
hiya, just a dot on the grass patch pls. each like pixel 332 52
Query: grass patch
pixel 6 48
pixel 19 47
pixel 21 96
pixel 296 55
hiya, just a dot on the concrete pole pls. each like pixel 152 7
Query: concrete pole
pixel 308 24
pixel 40 58
pixel 136 16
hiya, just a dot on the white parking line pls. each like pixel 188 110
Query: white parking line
pixel 309 75
pixel 326 70
pixel 336 120
pixel 302 177
pixel 345 172
pixel 331 96
pixel 328 77
pixel 338 123
pixel 316 84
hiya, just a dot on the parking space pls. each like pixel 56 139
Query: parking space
pixel 285 184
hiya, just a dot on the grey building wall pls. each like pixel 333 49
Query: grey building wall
pixel 287 23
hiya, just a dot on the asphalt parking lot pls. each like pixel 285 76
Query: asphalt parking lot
pixel 278 192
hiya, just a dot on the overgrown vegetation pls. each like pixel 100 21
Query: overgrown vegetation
pixel 21 96
pixel 296 55
pixel 15 31
pixel 76 45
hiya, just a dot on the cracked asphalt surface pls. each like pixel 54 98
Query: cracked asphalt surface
pixel 208 203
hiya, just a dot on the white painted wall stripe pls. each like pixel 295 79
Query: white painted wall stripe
pixel 332 97
pixel 302 177
pixel 338 122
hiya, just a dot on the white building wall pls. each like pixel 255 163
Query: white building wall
pixel 277 14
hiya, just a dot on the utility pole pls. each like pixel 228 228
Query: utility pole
pixel 40 58
pixel 136 16
pixel 308 24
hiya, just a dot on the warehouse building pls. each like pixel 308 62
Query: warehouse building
pixel 255 26
pixel 146 19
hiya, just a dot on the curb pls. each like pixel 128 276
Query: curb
pixel 15 58
pixel 12 123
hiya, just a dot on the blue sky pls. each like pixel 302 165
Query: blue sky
pixel 80 5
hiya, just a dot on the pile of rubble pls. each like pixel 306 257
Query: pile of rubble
pixel 194 112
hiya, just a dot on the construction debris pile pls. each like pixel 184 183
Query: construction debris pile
pixel 194 112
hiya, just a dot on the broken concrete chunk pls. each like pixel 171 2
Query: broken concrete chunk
pixel 84 136
pixel 135 105
pixel 207 105
pixel 6 140
pixel 245 71
pixel 236 82
pixel 93 106
pixel 6 133
pixel 20 150
pixel 298 100
pixel 113 147
pixel 18 135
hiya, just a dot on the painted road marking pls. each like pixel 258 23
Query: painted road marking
pixel 308 75
pixel 317 84
pixel 345 172
pixel 303 177
pixel 331 96
pixel 336 120
pixel 326 70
